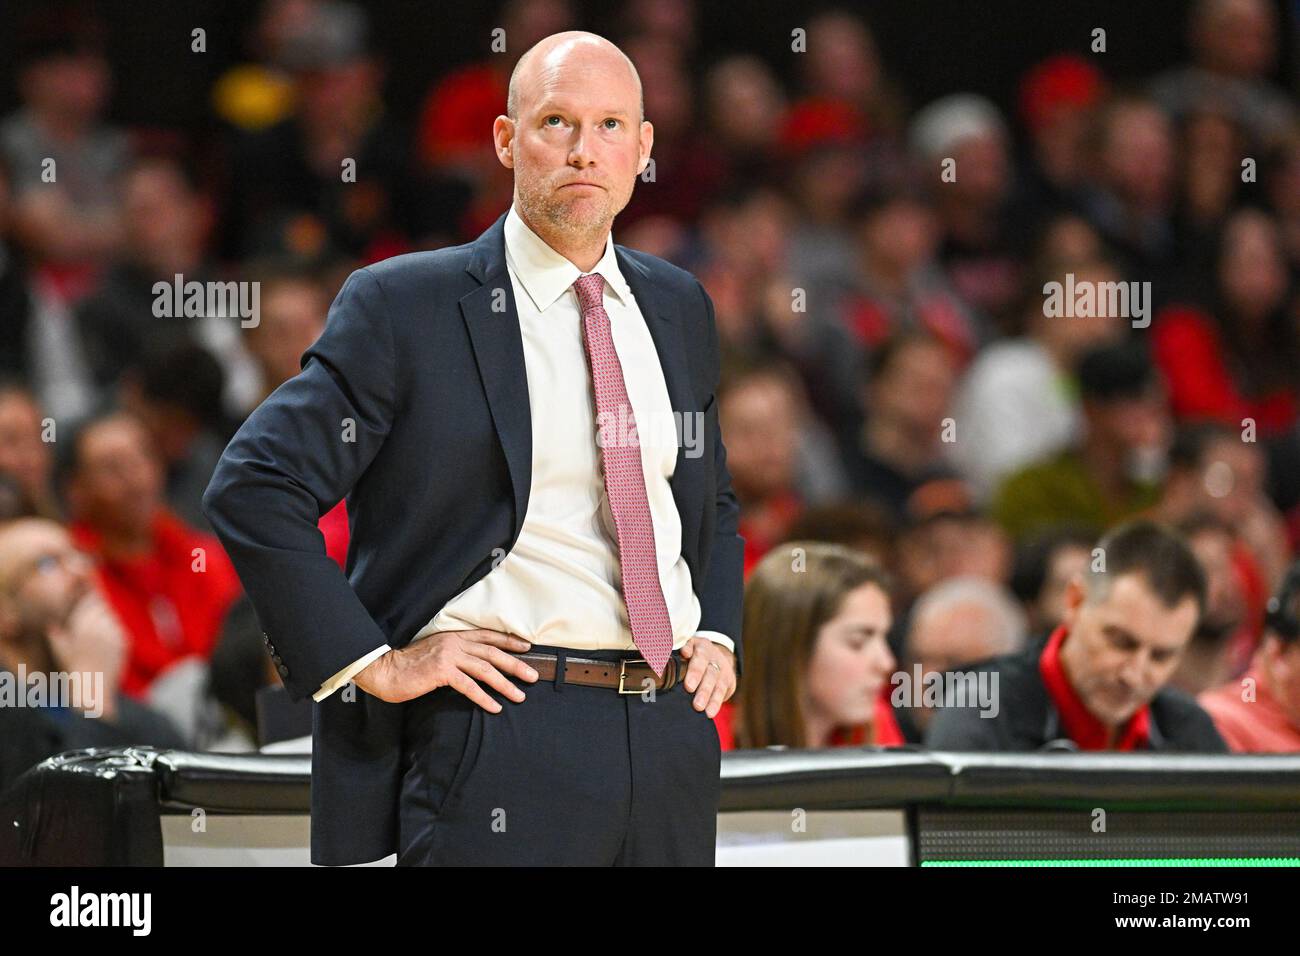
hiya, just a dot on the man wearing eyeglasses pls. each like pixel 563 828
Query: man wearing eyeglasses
pixel 61 655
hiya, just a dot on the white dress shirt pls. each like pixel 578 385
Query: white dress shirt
pixel 559 585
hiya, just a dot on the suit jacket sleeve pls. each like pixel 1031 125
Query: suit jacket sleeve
pixel 296 456
pixel 721 597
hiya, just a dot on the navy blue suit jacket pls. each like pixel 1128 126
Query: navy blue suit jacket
pixel 414 405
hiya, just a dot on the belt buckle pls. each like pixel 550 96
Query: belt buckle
pixel 622 673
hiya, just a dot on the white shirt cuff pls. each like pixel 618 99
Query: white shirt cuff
pixel 349 672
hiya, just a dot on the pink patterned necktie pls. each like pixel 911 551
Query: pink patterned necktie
pixel 647 613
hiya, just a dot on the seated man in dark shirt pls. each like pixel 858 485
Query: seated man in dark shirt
pixel 1100 682
pixel 61 655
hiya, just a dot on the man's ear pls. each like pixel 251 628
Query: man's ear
pixel 1074 598
pixel 647 144
pixel 503 135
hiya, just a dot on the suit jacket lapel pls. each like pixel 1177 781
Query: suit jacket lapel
pixel 493 323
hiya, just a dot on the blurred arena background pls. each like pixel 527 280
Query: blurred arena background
pixel 895 380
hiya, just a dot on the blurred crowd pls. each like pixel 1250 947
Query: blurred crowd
pixel 927 453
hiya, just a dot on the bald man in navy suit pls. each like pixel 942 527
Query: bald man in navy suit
pixel 541 608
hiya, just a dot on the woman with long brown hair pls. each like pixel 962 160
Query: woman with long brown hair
pixel 817 663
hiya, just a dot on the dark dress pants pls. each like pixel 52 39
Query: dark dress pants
pixel 573 775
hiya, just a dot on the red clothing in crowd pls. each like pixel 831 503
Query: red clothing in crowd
pixel 1190 352
pixel 887 732
pixel 1077 721
pixel 872 321
pixel 169 609
pixel 783 510
pixel 1261 725
pixel 819 121
pixel 1062 84
pixel 1243 642
pixel 333 527
pixel 456 118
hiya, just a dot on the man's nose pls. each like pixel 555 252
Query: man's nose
pixel 579 155
pixel 1136 671
pixel 79 568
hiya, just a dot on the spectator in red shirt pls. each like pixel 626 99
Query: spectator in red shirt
pixel 464 102
pixel 1260 713
pixel 1237 359
pixel 899 286
pixel 1213 472
pixel 168 584
pixel 1058 99
pixel 1101 682
pixel 842 71
pixel 760 411
pixel 452 140
pixel 817 663
pixel 1229 631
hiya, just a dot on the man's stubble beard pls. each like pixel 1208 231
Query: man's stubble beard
pixel 541 205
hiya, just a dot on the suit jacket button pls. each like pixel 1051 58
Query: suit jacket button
pixel 282 671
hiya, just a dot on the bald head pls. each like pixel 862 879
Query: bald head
pixel 572 49
pixel 962 620
pixel 576 139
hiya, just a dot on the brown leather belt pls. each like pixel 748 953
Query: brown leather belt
pixel 626 676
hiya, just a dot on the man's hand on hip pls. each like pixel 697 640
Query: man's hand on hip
pixel 710 675
pixel 456 659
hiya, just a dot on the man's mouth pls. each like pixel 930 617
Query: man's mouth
pixel 1120 698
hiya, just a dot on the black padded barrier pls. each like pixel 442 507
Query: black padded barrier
pixel 104 806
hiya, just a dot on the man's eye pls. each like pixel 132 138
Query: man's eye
pixel 614 121
pixel 549 118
